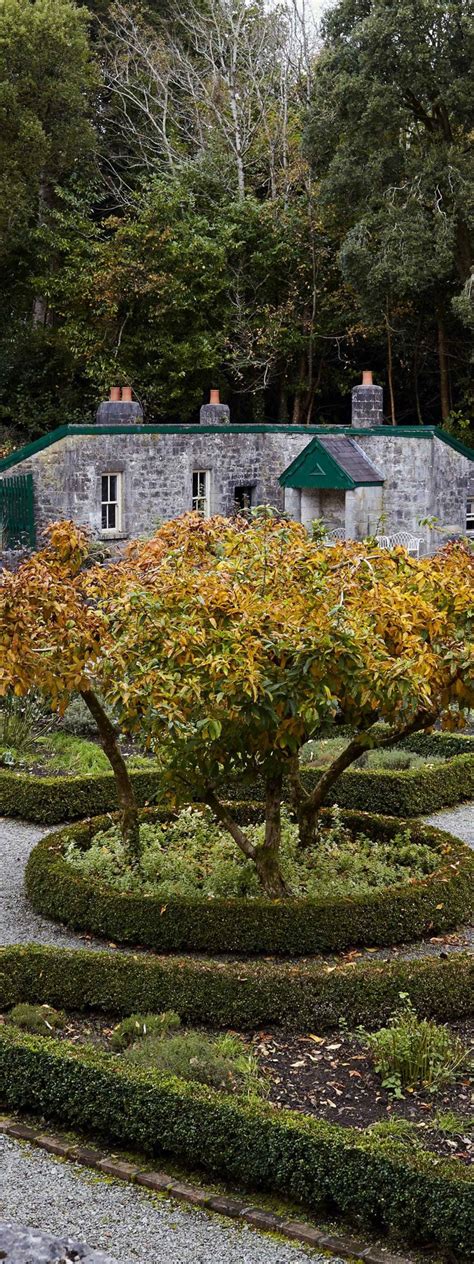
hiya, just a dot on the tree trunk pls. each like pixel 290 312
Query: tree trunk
pixel 443 366
pixel 128 805
pixel 267 856
pixel 41 315
pixel 390 369
pixel 307 806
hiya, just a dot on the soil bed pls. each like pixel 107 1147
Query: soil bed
pixel 332 1077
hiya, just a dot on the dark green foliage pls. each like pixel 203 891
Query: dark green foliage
pixel 50 800
pixel 139 1026
pixel 245 995
pixel 434 904
pixel 313 1162
pixel 413 1051
pixel 39 1019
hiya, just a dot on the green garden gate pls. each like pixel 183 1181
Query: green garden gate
pixel 17 513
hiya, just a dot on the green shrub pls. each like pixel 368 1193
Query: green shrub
pixel 50 800
pixel 318 1164
pixel 221 1062
pixel 39 1019
pixel 193 855
pixel 412 1052
pixel 437 902
pixel 137 1026
pixel 247 995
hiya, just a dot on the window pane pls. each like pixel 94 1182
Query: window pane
pixel 112 523
pixel 112 487
pixel 104 517
pixel 105 487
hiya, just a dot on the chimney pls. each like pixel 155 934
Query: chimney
pixel 119 409
pixel 214 413
pixel 367 402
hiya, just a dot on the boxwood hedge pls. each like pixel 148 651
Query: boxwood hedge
pixel 248 995
pixel 51 800
pixel 311 1161
pixel 295 927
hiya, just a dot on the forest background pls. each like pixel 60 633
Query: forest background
pixel 215 192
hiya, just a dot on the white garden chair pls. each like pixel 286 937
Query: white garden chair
pixel 412 543
pixel 333 535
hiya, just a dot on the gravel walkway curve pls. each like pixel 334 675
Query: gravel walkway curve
pixel 125 1221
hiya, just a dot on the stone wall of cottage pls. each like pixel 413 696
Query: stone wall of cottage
pixel 424 477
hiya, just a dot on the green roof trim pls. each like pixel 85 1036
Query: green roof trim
pixel 332 463
pixel 65 432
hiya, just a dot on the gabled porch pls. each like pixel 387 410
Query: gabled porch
pixel 333 480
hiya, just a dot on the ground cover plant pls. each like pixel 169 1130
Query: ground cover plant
pixel 39 1019
pixel 323 751
pixel 412 1051
pixel 63 754
pixel 193 855
pixel 251 637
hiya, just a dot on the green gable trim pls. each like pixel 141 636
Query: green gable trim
pixel 316 467
pixel 390 432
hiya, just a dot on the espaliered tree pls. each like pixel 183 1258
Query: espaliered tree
pixel 238 641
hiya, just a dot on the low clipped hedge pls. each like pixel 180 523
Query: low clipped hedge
pixel 406 792
pixel 295 927
pixel 410 792
pixel 245 995
pixel 308 1160
pixel 51 800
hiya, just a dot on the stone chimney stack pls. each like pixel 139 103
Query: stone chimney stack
pixel 367 402
pixel 120 409
pixel 214 413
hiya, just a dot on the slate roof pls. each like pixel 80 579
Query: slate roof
pixel 331 461
pixel 352 459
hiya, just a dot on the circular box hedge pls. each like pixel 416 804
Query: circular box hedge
pixel 433 904
pixel 410 792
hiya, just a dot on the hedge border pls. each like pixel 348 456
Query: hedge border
pixel 51 800
pixel 246 995
pixel 434 904
pixel 311 1161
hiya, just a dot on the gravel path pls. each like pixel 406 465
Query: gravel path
pixel 124 1220
pixel 18 923
pixel 458 821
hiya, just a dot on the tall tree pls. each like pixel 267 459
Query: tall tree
pixel 391 115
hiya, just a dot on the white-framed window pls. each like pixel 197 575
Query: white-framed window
pixel 201 492
pixel 111 502
pixel 470 514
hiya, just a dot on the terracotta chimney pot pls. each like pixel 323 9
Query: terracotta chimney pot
pixel 367 377
pixel 126 394
pixel 115 393
pixel 214 397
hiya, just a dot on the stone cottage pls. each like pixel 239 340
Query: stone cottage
pixel 121 477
